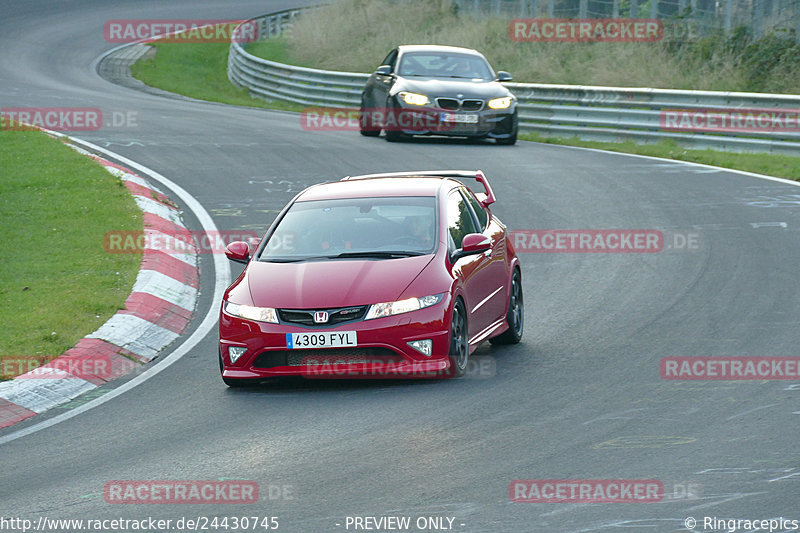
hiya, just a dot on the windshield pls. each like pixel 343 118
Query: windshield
pixel 445 65
pixel 381 228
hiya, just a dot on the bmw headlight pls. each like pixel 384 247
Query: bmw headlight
pixel 402 306
pixel 500 103
pixel 259 314
pixel 414 98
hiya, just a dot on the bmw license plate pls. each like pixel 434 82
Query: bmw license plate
pixel 460 118
pixel 328 339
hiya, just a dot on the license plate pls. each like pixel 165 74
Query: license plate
pixel 461 118
pixel 328 339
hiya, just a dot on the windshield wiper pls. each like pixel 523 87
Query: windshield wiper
pixel 293 259
pixel 379 254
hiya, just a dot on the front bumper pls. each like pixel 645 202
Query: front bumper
pixel 382 350
pixel 496 124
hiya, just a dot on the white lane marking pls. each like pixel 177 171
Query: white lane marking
pixel 222 278
pixel 38 393
pixel 135 334
pixel 756 225
pixel 787 476
pixel 675 161
pixel 165 287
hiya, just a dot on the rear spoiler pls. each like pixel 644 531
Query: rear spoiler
pixel 486 198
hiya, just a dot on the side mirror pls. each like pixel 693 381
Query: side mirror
pixel 502 75
pixel 384 70
pixel 238 251
pixel 473 244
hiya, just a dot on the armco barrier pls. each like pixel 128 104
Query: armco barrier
pixel 591 113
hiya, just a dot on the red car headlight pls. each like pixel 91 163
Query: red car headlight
pixel 249 312
pixel 402 306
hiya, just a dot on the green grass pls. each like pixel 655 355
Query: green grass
pixel 57 283
pixel 198 70
pixel 355 35
pixel 779 165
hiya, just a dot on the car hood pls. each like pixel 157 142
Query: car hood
pixel 451 87
pixel 336 283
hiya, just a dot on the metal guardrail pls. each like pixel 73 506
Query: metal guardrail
pixel 590 113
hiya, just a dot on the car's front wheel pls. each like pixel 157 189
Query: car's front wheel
pixel 366 122
pixel 511 139
pixel 515 316
pixel 459 341
pixel 393 124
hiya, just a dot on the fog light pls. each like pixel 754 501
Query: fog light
pixel 235 352
pixel 425 346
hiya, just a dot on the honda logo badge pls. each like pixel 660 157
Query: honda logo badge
pixel 320 317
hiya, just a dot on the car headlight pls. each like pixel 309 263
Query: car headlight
pixel 259 314
pixel 414 98
pixel 402 306
pixel 500 103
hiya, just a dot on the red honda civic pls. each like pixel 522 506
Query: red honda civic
pixel 383 275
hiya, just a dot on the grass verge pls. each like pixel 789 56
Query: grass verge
pixel 57 283
pixel 199 70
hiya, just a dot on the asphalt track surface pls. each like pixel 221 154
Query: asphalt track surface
pixel 580 398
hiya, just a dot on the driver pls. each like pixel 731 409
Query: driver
pixel 463 68
pixel 420 230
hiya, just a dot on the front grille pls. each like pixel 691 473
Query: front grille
pixel 472 105
pixel 305 317
pixel 452 104
pixel 327 357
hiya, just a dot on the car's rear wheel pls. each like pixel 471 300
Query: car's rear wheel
pixel 459 341
pixel 366 123
pixel 234 383
pixel 516 314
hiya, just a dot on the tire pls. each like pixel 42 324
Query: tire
pixel 516 314
pixel 509 140
pixel 394 136
pixel 235 383
pixel 366 124
pixel 512 139
pixel 459 341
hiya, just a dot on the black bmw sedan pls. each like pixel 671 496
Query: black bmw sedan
pixel 438 90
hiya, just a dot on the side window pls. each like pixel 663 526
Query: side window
pixel 459 219
pixel 480 212
pixel 390 59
